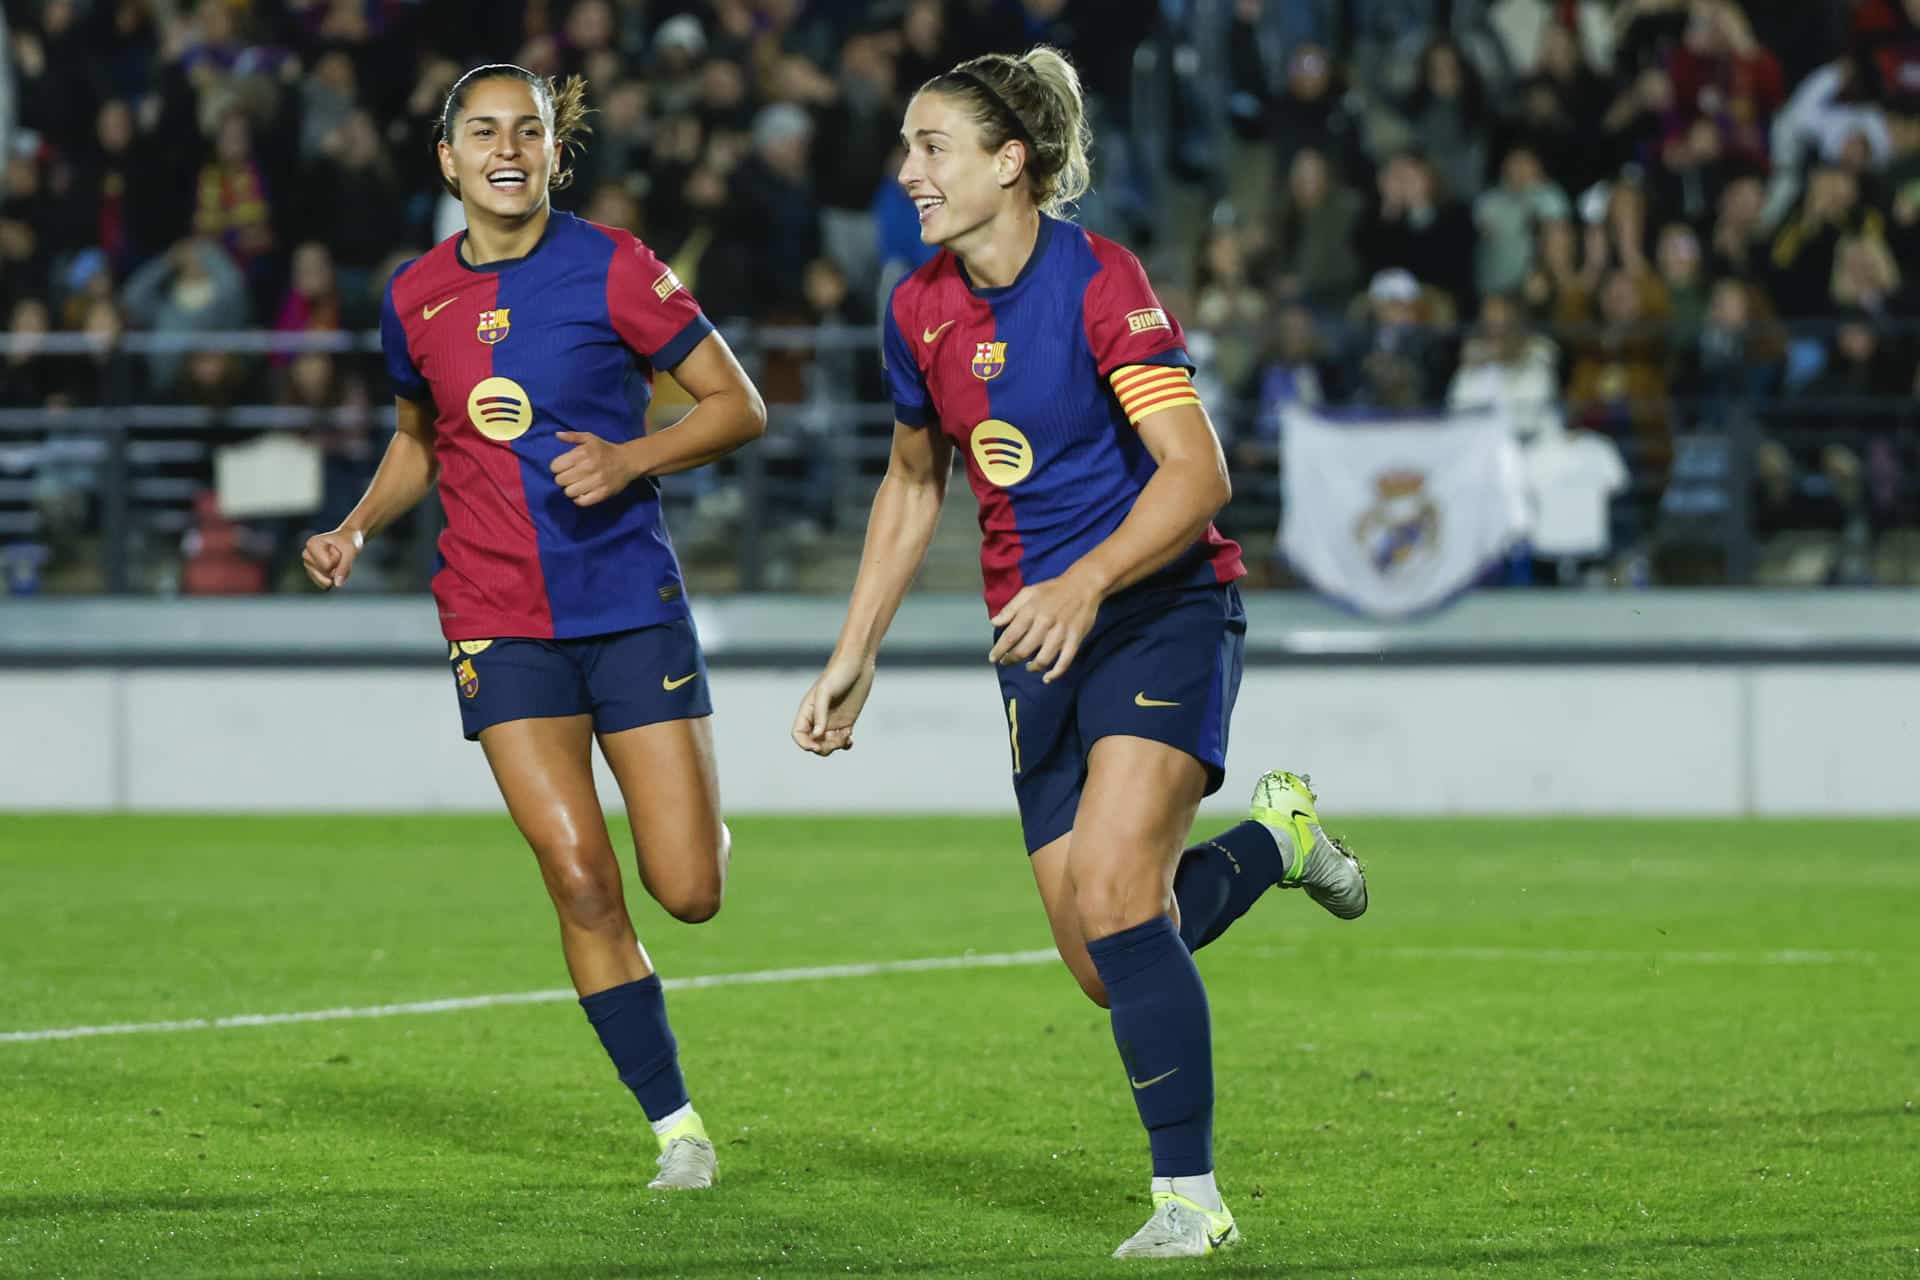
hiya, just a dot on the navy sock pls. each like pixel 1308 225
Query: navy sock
pixel 1160 1023
pixel 1218 880
pixel 632 1021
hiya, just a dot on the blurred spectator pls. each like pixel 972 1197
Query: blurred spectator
pixel 1737 246
pixel 1807 248
pixel 1618 383
pixel 773 202
pixel 1312 254
pixel 232 205
pixel 1866 278
pixel 327 97
pixel 1505 217
pixel 1294 371
pixel 312 302
pixel 1861 364
pixel 1228 305
pixel 28 377
pixel 1506 366
pixel 1736 362
pixel 1396 364
pixel 1725 81
pixel 1412 228
pixel 1557 285
pixel 1883 42
pixel 192 288
pixel 1683 274
pixel 349 193
pixel 1312 111
pixel 1447 114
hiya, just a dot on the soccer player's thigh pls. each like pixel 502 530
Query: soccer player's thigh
pixel 525 701
pixel 1154 706
pixel 654 715
pixel 1048 768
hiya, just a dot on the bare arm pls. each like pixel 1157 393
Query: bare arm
pixel 727 413
pixel 1179 502
pixel 1045 623
pixel 906 512
pixel 407 471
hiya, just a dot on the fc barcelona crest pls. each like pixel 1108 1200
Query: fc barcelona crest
pixel 494 326
pixel 468 677
pixel 989 358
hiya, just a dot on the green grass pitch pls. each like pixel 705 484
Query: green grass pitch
pixel 1552 1049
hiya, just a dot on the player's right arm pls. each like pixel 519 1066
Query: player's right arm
pixel 406 472
pixel 906 513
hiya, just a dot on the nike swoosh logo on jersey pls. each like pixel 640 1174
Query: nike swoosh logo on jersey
pixel 671 685
pixel 1147 1084
pixel 929 336
pixel 428 313
pixel 1141 699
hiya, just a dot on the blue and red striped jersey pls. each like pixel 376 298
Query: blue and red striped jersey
pixel 1038 384
pixel 564 339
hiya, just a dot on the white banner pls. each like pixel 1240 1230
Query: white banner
pixel 1396 516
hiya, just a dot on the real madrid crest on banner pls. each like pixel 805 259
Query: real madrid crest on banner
pixel 494 326
pixel 989 358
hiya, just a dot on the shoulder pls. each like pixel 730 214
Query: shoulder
pixel 923 286
pixel 1109 266
pixel 416 278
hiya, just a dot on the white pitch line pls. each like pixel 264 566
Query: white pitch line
pixel 991 960
pixel 999 960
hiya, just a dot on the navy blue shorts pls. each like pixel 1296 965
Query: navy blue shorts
pixel 1162 664
pixel 624 680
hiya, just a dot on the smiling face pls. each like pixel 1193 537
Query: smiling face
pixel 957 185
pixel 500 151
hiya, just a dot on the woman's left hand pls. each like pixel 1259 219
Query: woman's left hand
pixel 1046 623
pixel 593 470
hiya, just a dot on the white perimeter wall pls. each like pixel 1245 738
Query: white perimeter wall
pixel 1428 740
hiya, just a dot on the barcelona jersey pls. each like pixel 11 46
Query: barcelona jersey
pixel 509 354
pixel 1039 385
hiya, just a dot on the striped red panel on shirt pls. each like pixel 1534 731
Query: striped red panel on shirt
pixel 1149 388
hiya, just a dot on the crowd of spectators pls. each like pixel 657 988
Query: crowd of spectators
pixel 1648 219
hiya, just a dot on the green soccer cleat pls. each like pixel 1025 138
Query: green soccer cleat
pixel 1179 1228
pixel 1283 803
pixel 687 1162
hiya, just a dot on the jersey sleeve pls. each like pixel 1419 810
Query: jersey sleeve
pixel 650 309
pixel 1125 322
pixel 912 405
pixel 401 370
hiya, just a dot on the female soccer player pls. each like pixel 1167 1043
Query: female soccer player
pixel 1041 352
pixel 520 351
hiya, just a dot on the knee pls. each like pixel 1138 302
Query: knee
pixel 587 896
pixel 1108 903
pixel 692 895
pixel 692 904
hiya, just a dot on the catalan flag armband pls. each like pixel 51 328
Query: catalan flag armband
pixel 1149 388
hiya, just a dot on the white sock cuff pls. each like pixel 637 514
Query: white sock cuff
pixel 1199 1188
pixel 665 1123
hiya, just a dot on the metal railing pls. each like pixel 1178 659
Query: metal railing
pixel 106 488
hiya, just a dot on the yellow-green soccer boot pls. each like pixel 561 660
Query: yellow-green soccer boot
pixel 1179 1228
pixel 1283 803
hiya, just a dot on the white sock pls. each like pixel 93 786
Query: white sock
pixel 665 1124
pixel 1200 1189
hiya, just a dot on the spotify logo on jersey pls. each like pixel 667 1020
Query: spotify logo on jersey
pixel 499 409
pixel 1002 452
